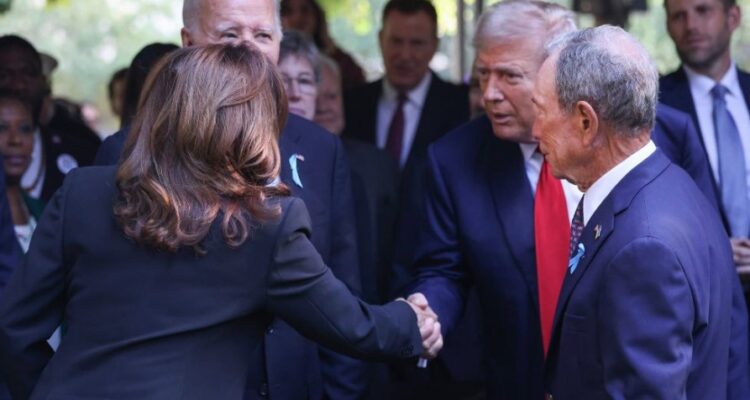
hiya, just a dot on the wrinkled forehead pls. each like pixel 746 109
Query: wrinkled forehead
pixel 222 13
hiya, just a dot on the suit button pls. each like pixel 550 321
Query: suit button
pixel 263 390
pixel 548 397
pixel 269 330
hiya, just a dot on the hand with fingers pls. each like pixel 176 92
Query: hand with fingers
pixel 429 326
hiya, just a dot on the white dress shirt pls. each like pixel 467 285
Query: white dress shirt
pixel 604 185
pixel 700 89
pixel 533 162
pixel 412 112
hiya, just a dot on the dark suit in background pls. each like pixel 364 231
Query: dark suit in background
pixel 446 106
pixel 676 136
pixel 375 185
pixel 674 90
pixel 148 324
pixel 647 311
pixel 293 363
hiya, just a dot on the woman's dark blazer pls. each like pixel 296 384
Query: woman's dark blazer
pixel 147 324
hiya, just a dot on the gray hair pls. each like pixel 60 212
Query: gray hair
pixel 298 44
pixel 326 61
pixel 515 19
pixel 191 10
pixel 610 70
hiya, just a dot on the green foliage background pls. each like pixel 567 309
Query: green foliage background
pixel 93 38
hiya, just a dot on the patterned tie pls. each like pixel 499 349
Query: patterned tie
pixel 576 228
pixel 732 172
pixel 551 237
pixel 396 129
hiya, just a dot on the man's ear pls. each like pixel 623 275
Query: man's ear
pixel 185 35
pixel 588 122
pixel 734 17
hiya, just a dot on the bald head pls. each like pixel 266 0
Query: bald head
pixel 233 21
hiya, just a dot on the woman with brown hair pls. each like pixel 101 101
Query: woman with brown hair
pixel 168 295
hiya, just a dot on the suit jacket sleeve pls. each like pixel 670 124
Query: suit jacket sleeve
pixel 647 313
pixel 304 292
pixel 738 382
pixel 441 276
pixel 33 303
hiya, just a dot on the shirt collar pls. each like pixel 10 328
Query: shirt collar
pixel 416 95
pixel 528 150
pixel 599 191
pixel 702 84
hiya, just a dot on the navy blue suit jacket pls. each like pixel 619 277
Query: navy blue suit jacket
pixel 148 324
pixel 478 230
pixel 675 135
pixel 674 90
pixel 647 312
pixel 326 189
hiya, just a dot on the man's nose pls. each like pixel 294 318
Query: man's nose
pixel 493 92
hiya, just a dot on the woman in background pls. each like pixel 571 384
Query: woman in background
pixel 167 294
pixel 17 126
pixel 308 17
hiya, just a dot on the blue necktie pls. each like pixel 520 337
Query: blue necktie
pixel 732 172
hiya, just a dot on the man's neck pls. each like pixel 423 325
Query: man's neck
pixel 612 154
pixel 715 70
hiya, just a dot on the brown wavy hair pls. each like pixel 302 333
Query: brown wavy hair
pixel 202 146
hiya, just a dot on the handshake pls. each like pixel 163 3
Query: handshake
pixel 429 327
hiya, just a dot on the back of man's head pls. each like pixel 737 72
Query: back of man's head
pixel 514 19
pixel 608 68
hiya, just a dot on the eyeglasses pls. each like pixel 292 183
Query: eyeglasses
pixel 305 84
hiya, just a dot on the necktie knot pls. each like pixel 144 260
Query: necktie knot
pixel 719 91
pixel 402 98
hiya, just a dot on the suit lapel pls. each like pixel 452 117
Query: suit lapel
pixel 428 126
pixel 676 93
pixel 744 79
pixel 514 202
pixel 602 224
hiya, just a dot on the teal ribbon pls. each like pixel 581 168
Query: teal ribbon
pixel 573 262
pixel 295 173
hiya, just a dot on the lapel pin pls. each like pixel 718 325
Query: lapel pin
pixel 293 165
pixel 597 231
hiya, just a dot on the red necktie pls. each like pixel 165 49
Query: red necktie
pixel 552 239
pixel 396 129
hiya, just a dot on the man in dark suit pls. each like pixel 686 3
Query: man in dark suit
pixel 375 184
pixel 61 144
pixel 408 108
pixel 478 225
pixel 646 307
pixel 702 32
pixel 315 169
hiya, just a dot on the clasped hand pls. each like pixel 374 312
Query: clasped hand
pixel 429 327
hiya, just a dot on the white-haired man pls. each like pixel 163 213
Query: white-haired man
pixel 646 307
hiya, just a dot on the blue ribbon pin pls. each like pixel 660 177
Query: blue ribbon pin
pixel 293 164
pixel 573 262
